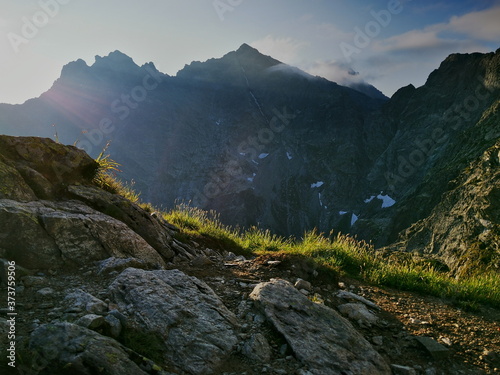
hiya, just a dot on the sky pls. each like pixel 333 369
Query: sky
pixel 389 44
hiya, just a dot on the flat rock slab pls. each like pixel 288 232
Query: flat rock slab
pixel 64 348
pixel 195 329
pixel 320 338
pixel 436 350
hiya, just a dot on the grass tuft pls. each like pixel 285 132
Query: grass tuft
pixel 339 254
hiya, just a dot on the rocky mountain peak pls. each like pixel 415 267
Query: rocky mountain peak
pixel 230 67
pixel 115 61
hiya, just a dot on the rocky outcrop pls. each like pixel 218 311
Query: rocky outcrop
pixel 67 233
pixel 463 229
pixel 47 193
pixel 64 348
pixel 195 331
pixel 152 229
pixel 318 335
pixel 39 168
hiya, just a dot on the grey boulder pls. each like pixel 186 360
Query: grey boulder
pixel 318 335
pixel 195 329
pixel 65 348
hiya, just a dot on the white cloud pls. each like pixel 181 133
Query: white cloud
pixel 481 25
pixel 332 32
pixel 284 49
pixel 459 34
pixel 335 71
pixel 412 40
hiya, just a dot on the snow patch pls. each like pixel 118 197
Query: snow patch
pixel 317 184
pixel 342 212
pixel 289 156
pixel 263 156
pixel 251 178
pixel 387 201
pixel 354 218
pixel 320 202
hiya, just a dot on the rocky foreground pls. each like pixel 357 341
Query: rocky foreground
pixel 104 287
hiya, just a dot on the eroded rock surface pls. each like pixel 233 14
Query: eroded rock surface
pixel 318 335
pixel 65 348
pixel 195 328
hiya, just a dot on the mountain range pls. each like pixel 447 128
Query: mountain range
pixel 264 143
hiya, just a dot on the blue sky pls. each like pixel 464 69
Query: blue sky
pixel 403 40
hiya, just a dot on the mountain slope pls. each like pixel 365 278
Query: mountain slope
pixel 243 134
pixel 265 143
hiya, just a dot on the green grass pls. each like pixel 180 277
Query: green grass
pixel 345 255
pixel 106 179
pixel 340 254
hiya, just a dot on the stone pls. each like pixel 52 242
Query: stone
pixel 44 166
pixel 118 315
pixel 113 326
pixel 259 319
pixel 303 284
pixel 68 233
pixel 403 370
pixel 45 292
pixel 257 348
pixel 152 228
pixel 32 281
pixel 4 271
pixel 194 329
pixel 274 263
pixel 359 313
pixel 113 264
pixel 436 350
pixel 201 261
pixel 378 340
pixel 446 341
pixel 55 348
pixel 230 256
pixel 83 301
pixel 91 321
pixel 349 295
pixel 319 337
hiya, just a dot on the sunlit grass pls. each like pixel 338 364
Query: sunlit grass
pixel 341 254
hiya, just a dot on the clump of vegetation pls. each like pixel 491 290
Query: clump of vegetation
pixel 106 179
pixel 342 254
pixel 338 254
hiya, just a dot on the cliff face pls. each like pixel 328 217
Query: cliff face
pixel 441 127
pixel 264 143
pixel 259 141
